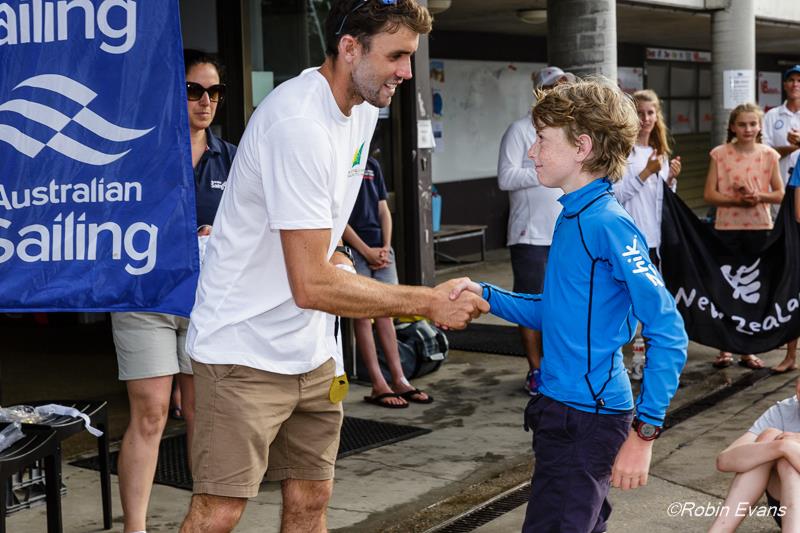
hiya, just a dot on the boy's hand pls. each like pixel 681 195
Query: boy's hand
pixel 793 137
pixel 632 463
pixel 464 284
pixel 374 259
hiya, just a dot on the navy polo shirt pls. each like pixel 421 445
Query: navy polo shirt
pixel 364 219
pixel 210 177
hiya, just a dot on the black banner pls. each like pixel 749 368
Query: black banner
pixel 732 299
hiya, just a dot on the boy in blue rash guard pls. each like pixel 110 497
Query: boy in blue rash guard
pixel 598 281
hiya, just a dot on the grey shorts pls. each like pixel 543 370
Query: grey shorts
pixel 150 345
pixel 388 274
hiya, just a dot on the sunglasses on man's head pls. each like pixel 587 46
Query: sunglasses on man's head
pixel 195 91
pixel 359 5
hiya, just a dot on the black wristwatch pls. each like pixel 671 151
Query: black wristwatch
pixel 346 251
pixel 646 431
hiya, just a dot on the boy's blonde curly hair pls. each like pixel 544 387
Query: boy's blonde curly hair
pixel 595 107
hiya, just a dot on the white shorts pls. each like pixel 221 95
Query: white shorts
pixel 150 345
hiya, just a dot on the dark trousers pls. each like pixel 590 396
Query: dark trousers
pixel 574 452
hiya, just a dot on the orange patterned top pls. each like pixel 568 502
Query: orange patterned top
pixel 737 172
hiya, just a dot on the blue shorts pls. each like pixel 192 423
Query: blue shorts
pixel 574 452
pixel 528 262
pixel 387 274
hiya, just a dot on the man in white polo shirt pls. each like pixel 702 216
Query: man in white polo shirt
pixel 782 131
pixel 268 372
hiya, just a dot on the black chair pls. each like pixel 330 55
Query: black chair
pixel 66 426
pixel 37 445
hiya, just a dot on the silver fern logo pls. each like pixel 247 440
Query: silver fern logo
pixel 744 281
pixel 57 121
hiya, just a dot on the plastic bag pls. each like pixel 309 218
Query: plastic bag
pixel 11 434
pixel 24 414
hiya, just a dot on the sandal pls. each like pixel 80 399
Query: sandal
pixel 413 396
pixel 378 400
pixel 723 360
pixel 752 362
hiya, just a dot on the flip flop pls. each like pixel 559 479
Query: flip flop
pixel 723 361
pixel 411 396
pixel 377 400
pixel 784 371
pixel 175 413
pixel 752 363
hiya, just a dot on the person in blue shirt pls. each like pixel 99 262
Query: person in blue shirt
pixel 599 280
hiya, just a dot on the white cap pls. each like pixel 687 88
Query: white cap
pixel 550 75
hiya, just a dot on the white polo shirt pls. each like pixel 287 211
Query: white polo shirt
pixel 299 166
pixel 777 123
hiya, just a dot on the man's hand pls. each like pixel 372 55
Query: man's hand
pixel 455 313
pixel 632 463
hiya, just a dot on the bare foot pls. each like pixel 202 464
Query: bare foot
pixel 420 396
pixel 389 400
pixel 786 365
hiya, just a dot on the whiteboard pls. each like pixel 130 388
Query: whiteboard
pixel 474 103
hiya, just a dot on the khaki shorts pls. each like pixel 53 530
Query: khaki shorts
pixel 249 422
pixel 150 345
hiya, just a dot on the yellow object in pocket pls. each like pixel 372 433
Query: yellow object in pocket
pixel 339 388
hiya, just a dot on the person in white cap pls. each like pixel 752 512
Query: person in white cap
pixel 532 214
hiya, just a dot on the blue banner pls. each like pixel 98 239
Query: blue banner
pixel 96 186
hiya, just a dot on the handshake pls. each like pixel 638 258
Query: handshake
pixel 455 303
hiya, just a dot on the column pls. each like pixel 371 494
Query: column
pixel 582 36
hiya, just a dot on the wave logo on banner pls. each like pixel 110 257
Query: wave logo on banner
pixel 57 121
pixel 744 282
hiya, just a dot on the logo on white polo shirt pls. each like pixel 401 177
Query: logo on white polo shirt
pixel 357 169
pixel 357 156
pixel 779 124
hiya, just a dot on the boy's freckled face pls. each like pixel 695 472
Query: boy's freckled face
pixel 554 157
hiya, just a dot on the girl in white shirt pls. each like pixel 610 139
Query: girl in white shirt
pixel 640 191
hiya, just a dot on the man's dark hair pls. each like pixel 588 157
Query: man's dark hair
pixel 192 57
pixel 371 18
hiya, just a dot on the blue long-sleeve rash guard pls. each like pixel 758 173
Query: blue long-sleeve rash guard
pixel 598 277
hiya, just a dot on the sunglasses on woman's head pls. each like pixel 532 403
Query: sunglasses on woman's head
pixel 195 91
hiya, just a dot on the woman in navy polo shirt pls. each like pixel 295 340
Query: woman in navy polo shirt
pixel 151 346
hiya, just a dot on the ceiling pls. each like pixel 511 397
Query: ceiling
pixel 648 25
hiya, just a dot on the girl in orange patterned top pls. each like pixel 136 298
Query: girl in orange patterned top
pixel 743 179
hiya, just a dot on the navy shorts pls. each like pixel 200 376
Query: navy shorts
pixel 528 263
pixel 574 452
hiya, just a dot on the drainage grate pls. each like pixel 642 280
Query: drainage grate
pixel 358 435
pixel 698 406
pixel 487 338
pixel 494 508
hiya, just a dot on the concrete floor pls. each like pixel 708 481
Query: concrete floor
pixel 476 449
